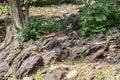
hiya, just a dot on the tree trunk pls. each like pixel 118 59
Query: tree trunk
pixel 26 13
pixel 17 14
pixel 13 54
pixel 19 19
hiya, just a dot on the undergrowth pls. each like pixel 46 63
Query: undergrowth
pixel 38 26
pixel 4 9
pixel 97 16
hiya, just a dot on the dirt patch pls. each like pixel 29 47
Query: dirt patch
pixel 54 11
pixel 93 70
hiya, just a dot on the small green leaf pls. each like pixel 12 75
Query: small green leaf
pixel 98 19
pixel 104 17
pixel 90 18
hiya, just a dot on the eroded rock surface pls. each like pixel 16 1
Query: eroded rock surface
pixel 22 58
pixel 28 64
pixel 55 54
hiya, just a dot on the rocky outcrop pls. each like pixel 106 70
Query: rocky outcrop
pixel 25 58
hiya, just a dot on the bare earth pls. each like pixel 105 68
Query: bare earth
pixel 54 10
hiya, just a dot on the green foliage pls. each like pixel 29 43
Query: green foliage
pixel 38 26
pixel 99 75
pixel 66 19
pixel 7 21
pixel 112 33
pixel 97 17
pixel 1 39
pixel 2 33
pixel 4 9
pixel 79 1
pixel 39 77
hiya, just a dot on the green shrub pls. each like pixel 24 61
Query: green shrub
pixel 7 21
pixel 79 1
pixel 99 75
pixel 4 9
pixel 39 77
pixel 38 26
pixel 98 17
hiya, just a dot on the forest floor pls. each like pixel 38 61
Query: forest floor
pixel 54 11
pixel 97 70
pixel 79 69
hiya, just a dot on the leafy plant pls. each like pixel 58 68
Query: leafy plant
pixel 39 77
pixel 98 16
pixel 79 1
pixel 38 26
pixel 1 39
pixel 99 75
pixel 4 9
pixel 7 21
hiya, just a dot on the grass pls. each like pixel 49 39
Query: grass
pixel 86 70
pixel 93 70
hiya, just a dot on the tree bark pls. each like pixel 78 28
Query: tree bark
pixel 17 14
pixel 19 19
pixel 26 13
pixel 8 39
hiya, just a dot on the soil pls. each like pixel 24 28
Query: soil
pixel 89 70
pixel 54 11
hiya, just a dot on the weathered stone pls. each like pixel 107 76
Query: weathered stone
pixel 27 78
pixel 62 38
pixel 12 56
pixel 113 34
pixel 55 54
pixel 50 44
pixel 10 72
pixel 11 79
pixel 22 56
pixel 112 59
pixel 100 36
pixel 95 47
pixel 101 49
pixel 39 45
pixel 113 29
pixel 59 74
pixel 49 76
pixel 64 66
pixel 43 71
pixel 56 75
pixel 73 35
pixel 72 74
pixel 99 66
pixel 29 43
pixel 52 67
pixel 3 68
pixel 28 64
pixel 68 43
pixel 78 51
pixel 11 49
pixel 114 45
